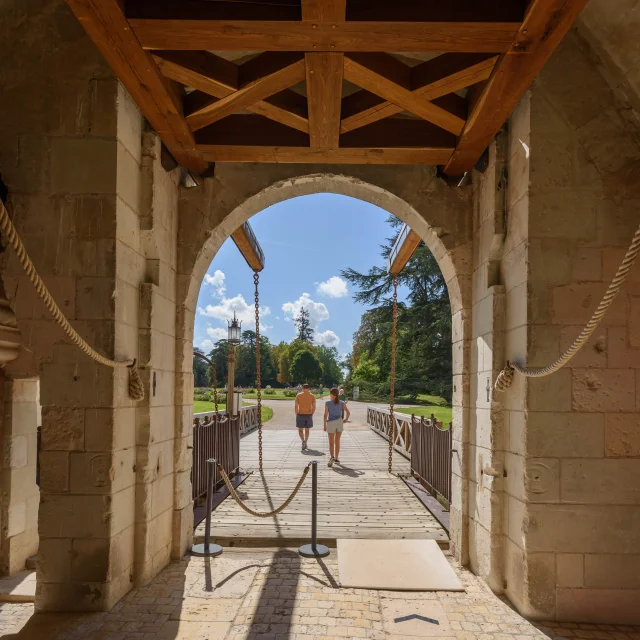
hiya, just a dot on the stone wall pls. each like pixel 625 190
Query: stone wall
pixel 98 216
pixel 440 214
pixel 559 513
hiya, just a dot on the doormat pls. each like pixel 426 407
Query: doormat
pixel 395 565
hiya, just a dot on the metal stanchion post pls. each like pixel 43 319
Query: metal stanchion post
pixel 314 550
pixel 206 548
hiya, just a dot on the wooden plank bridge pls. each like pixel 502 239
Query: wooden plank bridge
pixel 357 499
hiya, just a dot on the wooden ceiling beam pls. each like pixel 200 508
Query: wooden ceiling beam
pixel 324 72
pixel 332 36
pixel 430 80
pixel 374 81
pixel 220 78
pixel 232 153
pixel 249 95
pixel 544 26
pixel 107 26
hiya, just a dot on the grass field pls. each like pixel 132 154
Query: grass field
pixel 200 406
pixel 442 414
pixel 423 399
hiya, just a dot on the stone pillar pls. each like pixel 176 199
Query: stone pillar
pixel 163 453
pixel 20 494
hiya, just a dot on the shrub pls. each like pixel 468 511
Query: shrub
pixel 289 393
pixel 269 392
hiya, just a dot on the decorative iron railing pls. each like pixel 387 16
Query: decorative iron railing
pixel 431 456
pixel 424 441
pixel 218 437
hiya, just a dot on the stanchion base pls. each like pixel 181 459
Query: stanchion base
pixel 199 550
pixel 307 551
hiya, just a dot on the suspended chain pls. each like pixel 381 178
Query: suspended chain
pixel 262 514
pixel 256 281
pixel 136 388
pixel 505 378
pixel 392 391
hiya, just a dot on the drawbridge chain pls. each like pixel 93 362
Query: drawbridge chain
pixel 256 281
pixel 392 390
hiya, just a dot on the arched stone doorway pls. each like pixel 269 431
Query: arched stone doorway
pixel 440 215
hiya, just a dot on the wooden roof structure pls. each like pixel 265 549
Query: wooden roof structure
pixel 340 81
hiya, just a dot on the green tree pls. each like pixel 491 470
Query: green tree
pixel 331 371
pixel 366 370
pixel 303 325
pixel 245 374
pixel 306 367
pixel 200 370
pixel 284 366
pixel 424 322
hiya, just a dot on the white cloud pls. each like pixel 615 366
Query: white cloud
pixel 327 338
pixel 244 312
pixel 217 333
pixel 206 345
pixel 317 310
pixel 217 282
pixel 334 287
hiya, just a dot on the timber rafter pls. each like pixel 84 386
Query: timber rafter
pixel 345 81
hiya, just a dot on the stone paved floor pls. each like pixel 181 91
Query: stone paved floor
pixel 269 594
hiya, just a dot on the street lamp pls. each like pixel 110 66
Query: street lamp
pixel 235 330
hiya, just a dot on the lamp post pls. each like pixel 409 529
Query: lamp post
pixel 235 329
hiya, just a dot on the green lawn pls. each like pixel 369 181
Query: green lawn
pixel 200 406
pixel 442 414
pixel 424 399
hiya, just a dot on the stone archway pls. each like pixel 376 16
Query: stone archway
pixel 440 215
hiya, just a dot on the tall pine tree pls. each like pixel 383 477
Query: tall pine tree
pixel 303 325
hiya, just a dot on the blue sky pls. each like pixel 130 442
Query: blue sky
pixel 307 241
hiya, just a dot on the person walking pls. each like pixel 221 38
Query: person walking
pixel 305 408
pixel 334 412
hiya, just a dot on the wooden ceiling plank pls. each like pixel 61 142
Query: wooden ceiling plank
pixel 242 129
pixel 324 10
pixel 545 24
pixel 248 95
pixel 368 79
pixel 332 36
pixel 324 93
pixel 357 10
pixel 232 153
pixel 220 78
pixel 430 80
pixel 107 26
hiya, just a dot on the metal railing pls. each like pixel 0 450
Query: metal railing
pixel 424 441
pixel 431 456
pixel 214 437
pixel 248 418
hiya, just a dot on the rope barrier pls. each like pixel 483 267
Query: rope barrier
pixel 505 378
pixel 136 388
pixel 262 514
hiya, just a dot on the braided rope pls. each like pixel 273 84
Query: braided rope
pixel 136 388
pixel 505 378
pixel 262 514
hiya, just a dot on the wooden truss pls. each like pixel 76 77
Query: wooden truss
pixel 341 81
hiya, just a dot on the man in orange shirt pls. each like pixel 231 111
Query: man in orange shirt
pixel 305 408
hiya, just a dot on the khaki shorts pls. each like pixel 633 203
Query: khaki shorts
pixel 335 426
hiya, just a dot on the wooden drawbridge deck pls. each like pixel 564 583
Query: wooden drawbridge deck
pixel 357 499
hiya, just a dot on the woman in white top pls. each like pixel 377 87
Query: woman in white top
pixel 334 419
